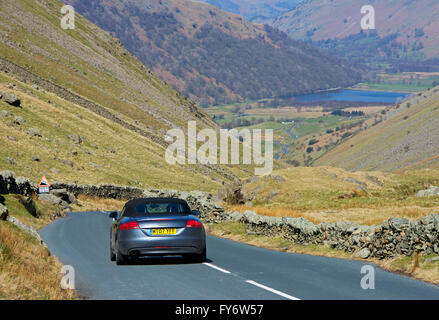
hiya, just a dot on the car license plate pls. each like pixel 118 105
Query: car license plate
pixel 163 231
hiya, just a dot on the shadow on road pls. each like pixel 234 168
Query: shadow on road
pixel 161 261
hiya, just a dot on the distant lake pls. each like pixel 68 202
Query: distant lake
pixel 354 95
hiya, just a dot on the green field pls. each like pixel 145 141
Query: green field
pixel 403 82
pixel 285 122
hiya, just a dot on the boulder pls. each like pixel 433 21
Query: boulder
pixel 5 113
pixel 72 198
pixel 434 259
pixel 375 180
pixel 278 178
pixel 270 196
pixel 75 138
pixel 67 162
pixel 363 253
pixel 33 132
pixel 19 120
pixel 12 99
pixel 26 228
pixel 49 198
pixel 361 185
pixel 432 191
pixel 94 165
pixel 60 193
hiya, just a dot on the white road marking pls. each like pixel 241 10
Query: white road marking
pixel 215 267
pixel 280 293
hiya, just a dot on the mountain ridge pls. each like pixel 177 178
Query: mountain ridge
pixel 213 56
pixel 414 24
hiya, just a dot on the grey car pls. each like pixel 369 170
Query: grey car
pixel 157 227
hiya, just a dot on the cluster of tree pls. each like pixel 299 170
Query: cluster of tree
pixel 343 113
pixel 408 65
pixel 277 102
pixel 242 122
pixel 217 66
pixel 367 47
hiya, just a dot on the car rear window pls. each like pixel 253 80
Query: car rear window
pixel 158 207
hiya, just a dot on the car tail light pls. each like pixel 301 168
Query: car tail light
pixel 193 224
pixel 129 225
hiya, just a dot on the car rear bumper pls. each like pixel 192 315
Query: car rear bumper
pixel 161 251
pixel 190 242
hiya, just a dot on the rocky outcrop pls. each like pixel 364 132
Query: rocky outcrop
pixel 34 132
pixel 392 237
pixel 432 191
pixel 12 99
pixel 26 228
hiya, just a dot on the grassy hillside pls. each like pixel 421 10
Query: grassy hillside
pixel 27 269
pixel 213 56
pixel 82 82
pixel 413 24
pixel 326 194
pixel 108 153
pixel 406 139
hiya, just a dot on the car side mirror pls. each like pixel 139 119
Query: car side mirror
pixel 196 212
pixel 113 215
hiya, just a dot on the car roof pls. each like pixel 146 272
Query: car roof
pixel 156 200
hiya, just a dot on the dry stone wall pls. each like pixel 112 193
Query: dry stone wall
pixel 392 237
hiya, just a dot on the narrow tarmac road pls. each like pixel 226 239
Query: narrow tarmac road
pixel 233 271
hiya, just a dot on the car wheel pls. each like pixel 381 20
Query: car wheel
pixel 120 258
pixel 198 258
pixel 203 256
pixel 112 255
